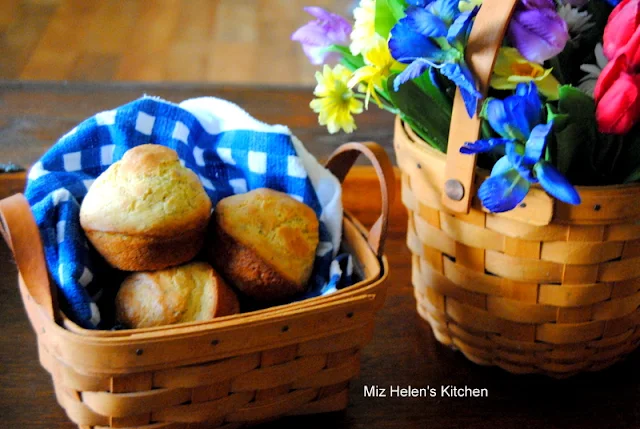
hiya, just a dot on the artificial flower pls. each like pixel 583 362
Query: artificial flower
pixel 617 94
pixel 336 102
pixel 537 4
pixel 435 36
pixel 538 33
pixel 623 22
pixel 364 29
pixel 316 36
pixel 588 82
pixel 512 68
pixel 378 65
pixel 577 21
pixel 468 5
pixel 518 120
pixel 576 3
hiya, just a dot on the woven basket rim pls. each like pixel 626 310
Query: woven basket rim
pixel 251 317
pixel 483 172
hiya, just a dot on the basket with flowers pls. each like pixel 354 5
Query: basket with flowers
pixel 518 141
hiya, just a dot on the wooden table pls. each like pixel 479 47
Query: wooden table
pixel 403 352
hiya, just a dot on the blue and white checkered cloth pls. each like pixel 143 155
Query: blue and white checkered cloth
pixel 231 153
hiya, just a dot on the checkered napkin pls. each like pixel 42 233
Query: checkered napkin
pixel 230 151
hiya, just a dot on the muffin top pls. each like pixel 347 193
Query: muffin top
pixel 147 192
pixel 280 229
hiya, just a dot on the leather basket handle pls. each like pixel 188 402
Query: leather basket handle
pixel 482 51
pixel 341 161
pixel 18 228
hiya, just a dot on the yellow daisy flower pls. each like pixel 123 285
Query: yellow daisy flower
pixel 364 27
pixel 512 68
pixel 336 101
pixel 379 63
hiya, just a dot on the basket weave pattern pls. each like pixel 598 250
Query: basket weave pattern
pixel 228 372
pixel 309 377
pixel 556 299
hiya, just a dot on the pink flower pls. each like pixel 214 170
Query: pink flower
pixel 622 24
pixel 315 36
pixel 617 92
pixel 618 96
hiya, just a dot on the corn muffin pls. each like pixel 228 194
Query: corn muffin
pixel 146 212
pixel 187 293
pixel 264 242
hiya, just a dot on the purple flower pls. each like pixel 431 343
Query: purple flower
pixel 537 4
pixel 539 34
pixel 315 36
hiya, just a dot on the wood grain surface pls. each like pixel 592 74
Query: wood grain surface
pixel 157 40
pixel 403 352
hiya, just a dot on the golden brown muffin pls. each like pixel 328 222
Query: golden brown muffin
pixel 264 242
pixel 146 212
pixel 187 293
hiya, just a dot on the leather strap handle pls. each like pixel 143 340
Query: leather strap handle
pixel 341 161
pixel 482 51
pixel 18 228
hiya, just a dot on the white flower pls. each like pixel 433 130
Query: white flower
pixel 588 83
pixel 364 34
pixel 577 21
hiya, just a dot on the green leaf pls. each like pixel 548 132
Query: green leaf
pixel 388 13
pixel 426 85
pixel 634 176
pixel 575 132
pixel 425 116
pixel 576 103
pixel 350 61
pixel 560 120
pixel 483 110
pixel 569 140
pixel 487 131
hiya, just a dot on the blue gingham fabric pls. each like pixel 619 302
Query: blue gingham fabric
pixel 230 152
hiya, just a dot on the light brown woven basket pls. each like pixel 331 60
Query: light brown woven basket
pixel 228 372
pixel 546 288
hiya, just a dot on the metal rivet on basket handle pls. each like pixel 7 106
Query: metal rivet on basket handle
pixel 484 42
pixel 341 161
pixel 19 230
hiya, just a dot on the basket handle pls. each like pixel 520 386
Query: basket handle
pixel 341 161
pixel 18 228
pixel 485 40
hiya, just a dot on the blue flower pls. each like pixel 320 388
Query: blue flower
pixel 419 3
pixel 518 120
pixel 433 35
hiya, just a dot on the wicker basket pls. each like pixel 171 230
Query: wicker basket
pixel 546 288
pixel 228 372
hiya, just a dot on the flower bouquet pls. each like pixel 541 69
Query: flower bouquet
pixel 563 101
pixel 541 272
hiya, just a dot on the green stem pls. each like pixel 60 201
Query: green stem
pixel 384 106
pixel 557 68
pixel 513 185
pixel 616 157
